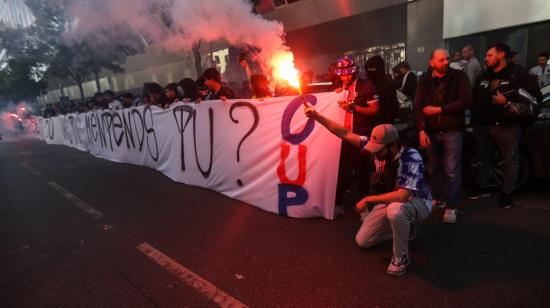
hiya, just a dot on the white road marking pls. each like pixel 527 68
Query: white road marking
pixel 535 207
pixel 195 281
pixel 76 201
pixel 31 169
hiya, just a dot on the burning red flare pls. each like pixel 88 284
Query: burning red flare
pixel 284 69
pixel 16 116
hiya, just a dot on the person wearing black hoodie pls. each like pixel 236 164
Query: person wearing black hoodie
pixel 389 106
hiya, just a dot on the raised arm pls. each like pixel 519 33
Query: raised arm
pixel 335 128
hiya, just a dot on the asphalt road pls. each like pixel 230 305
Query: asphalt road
pixel 55 254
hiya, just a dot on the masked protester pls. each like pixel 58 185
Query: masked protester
pixel 376 73
pixel 399 197
pixel 498 94
pixel 359 99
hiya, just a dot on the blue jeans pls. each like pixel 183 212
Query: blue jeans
pixel 445 166
pixel 507 140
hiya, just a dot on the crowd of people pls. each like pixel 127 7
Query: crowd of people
pixel 209 86
pixel 395 195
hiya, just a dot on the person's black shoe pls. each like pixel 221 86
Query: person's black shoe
pixel 505 200
pixel 480 194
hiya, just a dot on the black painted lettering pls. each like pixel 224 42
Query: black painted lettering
pixel 205 173
pixel 150 133
pixel 178 116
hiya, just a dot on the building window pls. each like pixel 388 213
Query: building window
pixel 391 53
pixel 280 3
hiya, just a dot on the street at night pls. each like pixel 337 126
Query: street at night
pixel 55 254
pixel 274 153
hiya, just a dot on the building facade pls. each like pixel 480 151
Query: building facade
pixel 318 31
pixel 15 14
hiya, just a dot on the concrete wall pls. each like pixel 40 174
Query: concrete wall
pixel 317 46
pixel 424 31
pixel 307 13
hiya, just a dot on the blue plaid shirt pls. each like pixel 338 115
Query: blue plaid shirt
pixel 410 171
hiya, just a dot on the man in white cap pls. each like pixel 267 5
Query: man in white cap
pixel 399 197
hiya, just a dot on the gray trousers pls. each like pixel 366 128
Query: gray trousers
pixel 385 221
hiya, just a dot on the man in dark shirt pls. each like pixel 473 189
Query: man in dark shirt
pixel 442 96
pixel 359 99
pixel 408 82
pixel 495 119
pixel 213 81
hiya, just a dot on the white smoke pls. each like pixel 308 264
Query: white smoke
pixel 177 25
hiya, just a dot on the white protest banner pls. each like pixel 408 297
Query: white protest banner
pixel 268 154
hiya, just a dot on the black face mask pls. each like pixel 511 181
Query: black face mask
pixel 375 76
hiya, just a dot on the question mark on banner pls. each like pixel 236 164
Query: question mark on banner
pixel 254 126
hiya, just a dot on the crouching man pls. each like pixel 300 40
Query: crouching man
pixel 399 196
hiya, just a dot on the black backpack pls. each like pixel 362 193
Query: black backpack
pixel 526 99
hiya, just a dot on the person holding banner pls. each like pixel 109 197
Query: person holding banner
pixel 216 90
pixel 399 196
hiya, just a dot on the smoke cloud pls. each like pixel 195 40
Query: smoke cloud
pixel 177 25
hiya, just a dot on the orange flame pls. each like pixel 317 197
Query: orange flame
pixel 284 69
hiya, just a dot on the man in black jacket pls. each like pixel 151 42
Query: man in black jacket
pixel 496 119
pixel 408 84
pixel 376 73
pixel 442 96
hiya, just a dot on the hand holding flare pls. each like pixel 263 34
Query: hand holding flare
pixel 283 64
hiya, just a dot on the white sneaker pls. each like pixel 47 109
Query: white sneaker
pixel 398 265
pixel 449 217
